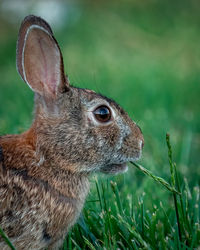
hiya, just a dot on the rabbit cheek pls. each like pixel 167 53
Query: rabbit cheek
pixel 114 136
pixel 110 133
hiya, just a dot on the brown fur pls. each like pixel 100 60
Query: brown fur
pixel 44 171
pixel 41 199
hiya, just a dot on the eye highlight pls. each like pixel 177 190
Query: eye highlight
pixel 102 114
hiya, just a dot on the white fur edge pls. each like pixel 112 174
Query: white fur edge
pixel 34 26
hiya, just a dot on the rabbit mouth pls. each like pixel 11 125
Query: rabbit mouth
pixel 115 168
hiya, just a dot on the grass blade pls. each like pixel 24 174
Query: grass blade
pixel 118 200
pixel 6 239
pixel 173 172
pixel 156 178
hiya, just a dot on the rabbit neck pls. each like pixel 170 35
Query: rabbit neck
pixel 60 193
pixel 21 158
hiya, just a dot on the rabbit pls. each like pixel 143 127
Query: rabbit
pixel 44 172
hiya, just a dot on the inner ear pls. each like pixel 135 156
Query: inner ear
pixel 39 58
pixel 42 62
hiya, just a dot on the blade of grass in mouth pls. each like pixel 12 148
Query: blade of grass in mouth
pixel 156 178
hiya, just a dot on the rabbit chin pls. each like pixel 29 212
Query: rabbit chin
pixel 115 168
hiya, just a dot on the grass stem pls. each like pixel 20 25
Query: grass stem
pixel 156 178
pixel 6 239
pixel 173 172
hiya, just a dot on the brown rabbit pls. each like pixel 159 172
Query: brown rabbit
pixel 44 172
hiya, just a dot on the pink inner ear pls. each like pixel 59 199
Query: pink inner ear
pixel 41 62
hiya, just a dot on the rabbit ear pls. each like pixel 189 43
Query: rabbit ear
pixel 39 59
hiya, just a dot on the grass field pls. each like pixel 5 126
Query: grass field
pixel 146 56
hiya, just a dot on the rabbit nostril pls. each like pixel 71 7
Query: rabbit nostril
pixel 140 136
pixel 142 143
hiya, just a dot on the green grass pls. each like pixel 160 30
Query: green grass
pixel 146 56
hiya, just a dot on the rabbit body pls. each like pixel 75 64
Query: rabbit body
pixel 44 172
pixel 38 202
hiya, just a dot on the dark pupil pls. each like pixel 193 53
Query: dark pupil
pixel 102 114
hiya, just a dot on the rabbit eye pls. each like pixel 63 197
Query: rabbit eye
pixel 102 114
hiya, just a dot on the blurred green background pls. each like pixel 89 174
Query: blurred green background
pixel 143 54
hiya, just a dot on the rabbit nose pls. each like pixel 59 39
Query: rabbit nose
pixel 142 142
pixel 140 136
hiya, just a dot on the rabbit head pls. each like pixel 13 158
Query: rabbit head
pixel 86 130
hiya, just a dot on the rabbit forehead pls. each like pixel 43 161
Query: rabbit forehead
pixel 96 102
pixel 90 99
